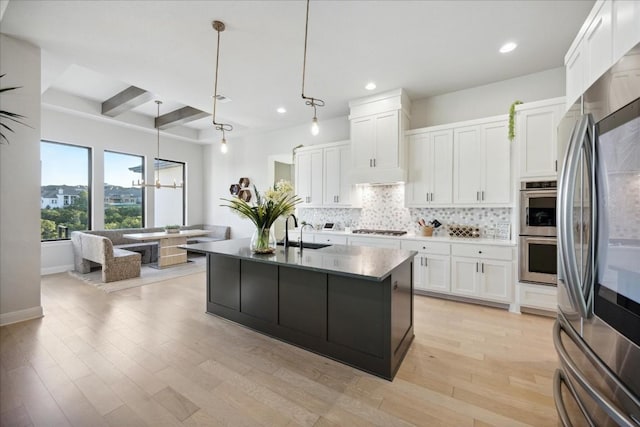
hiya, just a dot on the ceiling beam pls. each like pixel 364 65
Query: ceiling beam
pixel 126 100
pixel 179 117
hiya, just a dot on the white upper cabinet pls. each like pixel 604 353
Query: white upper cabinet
pixel 322 176
pixel 611 29
pixel 598 44
pixel 537 138
pixel 309 174
pixel 377 137
pixel 430 177
pixel 467 167
pixel 482 164
pixel 626 26
pixel 496 163
pixel 337 187
pixel 575 70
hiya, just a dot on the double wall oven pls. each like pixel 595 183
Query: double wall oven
pixel 538 242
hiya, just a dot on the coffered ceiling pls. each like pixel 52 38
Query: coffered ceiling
pixel 95 49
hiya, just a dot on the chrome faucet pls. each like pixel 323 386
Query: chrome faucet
pixel 302 228
pixel 285 242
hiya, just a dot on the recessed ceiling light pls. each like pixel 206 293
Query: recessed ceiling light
pixel 508 47
pixel 281 110
pixel 370 86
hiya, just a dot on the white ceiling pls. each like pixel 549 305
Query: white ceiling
pixel 94 49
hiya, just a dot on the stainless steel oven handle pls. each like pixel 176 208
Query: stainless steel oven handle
pixel 558 380
pixel 609 407
pixel 579 295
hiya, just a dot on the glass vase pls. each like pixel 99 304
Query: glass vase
pixel 263 241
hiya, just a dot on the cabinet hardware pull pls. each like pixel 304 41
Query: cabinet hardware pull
pixel 482 268
pixel 476 267
pixel 477 195
pixel 482 194
pixel 556 167
pixel 374 163
pixel 426 262
pixel 431 197
pixel 395 285
pixel 370 163
pixel 421 262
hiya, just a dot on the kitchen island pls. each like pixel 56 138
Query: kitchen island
pixel 353 304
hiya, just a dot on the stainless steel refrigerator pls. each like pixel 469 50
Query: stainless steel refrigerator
pixel 597 332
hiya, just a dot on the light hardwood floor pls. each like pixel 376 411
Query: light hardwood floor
pixel 151 356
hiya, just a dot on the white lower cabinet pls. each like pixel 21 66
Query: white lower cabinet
pixel 432 265
pixel 482 271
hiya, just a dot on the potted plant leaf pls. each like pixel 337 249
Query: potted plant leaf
pixel 7 115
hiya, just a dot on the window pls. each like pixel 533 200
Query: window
pixel 123 203
pixel 65 189
pixel 169 202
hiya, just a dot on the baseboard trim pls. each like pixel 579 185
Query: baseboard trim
pixel 56 269
pixel 21 315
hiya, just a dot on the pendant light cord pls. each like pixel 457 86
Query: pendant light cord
pixel 219 27
pixel 314 102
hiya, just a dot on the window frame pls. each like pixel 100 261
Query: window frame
pixel 89 184
pixel 143 191
pixel 184 185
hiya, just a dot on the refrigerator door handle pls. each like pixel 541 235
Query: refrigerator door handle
pixel 580 142
pixel 559 379
pixel 609 407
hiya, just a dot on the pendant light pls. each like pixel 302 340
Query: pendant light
pixel 313 102
pixel 157 183
pixel 224 127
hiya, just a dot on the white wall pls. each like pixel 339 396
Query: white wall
pixel 247 157
pixel 101 134
pixel 20 185
pixel 488 100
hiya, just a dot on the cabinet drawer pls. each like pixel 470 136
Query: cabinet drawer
pixel 483 251
pixel 333 239
pixel 436 248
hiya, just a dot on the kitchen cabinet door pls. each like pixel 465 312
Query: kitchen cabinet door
pixel 441 164
pixel 574 75
pixel 309 174
pixel 467 167
pixel 496 164
pixel 598 44
pixel 337 186
pixel 626 26
pixel 436 273
pixel 363 142
pixel 377 148
pixel 464 276
pixel 386 140
pixel 496 278
pixel 537 139
pixel 418 183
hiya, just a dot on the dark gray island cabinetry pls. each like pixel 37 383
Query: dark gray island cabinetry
pixel 350 303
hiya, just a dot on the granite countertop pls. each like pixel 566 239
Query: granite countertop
pixel 354 261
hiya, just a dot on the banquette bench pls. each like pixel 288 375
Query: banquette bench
pixel 121 258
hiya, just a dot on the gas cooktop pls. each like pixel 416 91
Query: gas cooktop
pixel 383 232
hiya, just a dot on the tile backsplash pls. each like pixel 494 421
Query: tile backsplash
pixel 383 208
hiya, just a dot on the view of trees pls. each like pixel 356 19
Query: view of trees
pixel 76 217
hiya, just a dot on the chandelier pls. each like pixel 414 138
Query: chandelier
pixel 224 127
pixel 157 183
pixel 313 102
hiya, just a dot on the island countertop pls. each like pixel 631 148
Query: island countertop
pixel 355 261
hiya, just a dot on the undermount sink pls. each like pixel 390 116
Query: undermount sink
pixel 306 245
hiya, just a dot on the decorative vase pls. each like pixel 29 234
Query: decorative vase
pixel 263 241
